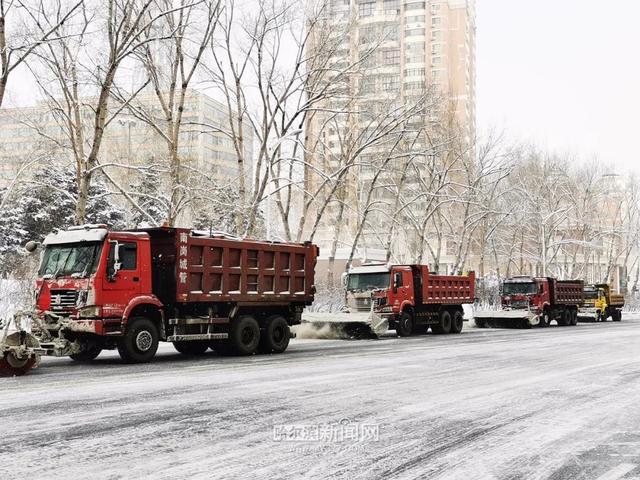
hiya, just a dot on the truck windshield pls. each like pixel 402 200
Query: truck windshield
pixel 368 281
pixel 590 294
pixel 518 288
pixel 76 259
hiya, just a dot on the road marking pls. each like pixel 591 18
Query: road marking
pixel 617 472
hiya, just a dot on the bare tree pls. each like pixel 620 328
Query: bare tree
pixel 18 41
pixel 79 83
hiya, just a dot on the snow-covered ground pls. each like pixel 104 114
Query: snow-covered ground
pixel 557 403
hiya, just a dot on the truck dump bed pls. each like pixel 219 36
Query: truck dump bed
pixel 446 289
pixel 218 269
pixel 567 292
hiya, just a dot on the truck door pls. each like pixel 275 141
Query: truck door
pixel 121 286
pixel 402 286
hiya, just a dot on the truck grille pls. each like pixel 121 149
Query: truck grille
pixel 363 304
pixel 63 299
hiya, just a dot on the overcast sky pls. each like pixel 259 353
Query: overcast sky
pixel 562 73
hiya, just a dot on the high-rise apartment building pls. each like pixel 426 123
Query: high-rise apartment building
pixel 404 50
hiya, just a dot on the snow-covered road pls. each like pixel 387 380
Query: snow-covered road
pixel 557 403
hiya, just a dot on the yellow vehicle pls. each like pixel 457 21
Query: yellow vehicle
pixel 600 303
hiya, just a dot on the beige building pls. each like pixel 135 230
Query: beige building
pixel 31 133
pixel 407 49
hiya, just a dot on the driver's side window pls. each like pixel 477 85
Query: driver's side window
pixel 128 255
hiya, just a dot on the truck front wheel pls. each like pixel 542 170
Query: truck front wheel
pixel 275 337
pixel 445 324
pixel 457 322
pixel 140 342
pixel 244 335
pixel 404 325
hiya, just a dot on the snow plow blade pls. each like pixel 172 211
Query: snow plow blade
pixel 346 325
pixel 506 318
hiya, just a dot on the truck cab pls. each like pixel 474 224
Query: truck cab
pixel 90 282
pixel 380 288
pixel 525 293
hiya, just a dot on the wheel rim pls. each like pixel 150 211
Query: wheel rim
pixel 144 340
pixel 278 334
pixel 247 336
pixel 406 324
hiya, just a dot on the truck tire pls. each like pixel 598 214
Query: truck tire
pixel 244 335
pixel 275 336
pixel 457 322
pixel 404 325
pixel 617 316
pixel 545 320
pixel 574 317
pixel 87 354
pixel 140 342
pixel 564 319
pixel 191 348
pixel 444 326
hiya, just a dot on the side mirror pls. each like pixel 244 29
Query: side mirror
pixel 397 281
pixel 31 246
pixel 345 279
pixel 114 264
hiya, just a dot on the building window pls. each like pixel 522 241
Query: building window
pixel 391 57
pixel 415 19
pixel 435 7
pixel 366 9
pixel 414 72
pixel 436 21
pixel 436 60
pixel 414 32
pixel 391 7
pixel 436 48
pixel 414 6
pixel 391 83
pixel 367 34
pixel 436 35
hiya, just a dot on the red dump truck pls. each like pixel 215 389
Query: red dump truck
pixel 99 289
pixel 406 298
pixel 528 301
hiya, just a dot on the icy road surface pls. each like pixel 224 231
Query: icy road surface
pixel 559 403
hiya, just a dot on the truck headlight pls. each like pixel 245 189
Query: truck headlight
pixel 89 312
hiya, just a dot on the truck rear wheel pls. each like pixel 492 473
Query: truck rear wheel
pixel 140 342
pixel 457 322
pixel 404 325
pixel 87 354
pixel 276 335
pixel 244 335
pixel 445 324
pixel 191 348
pixel 574 317
pixel 564 318
pixel 617 316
